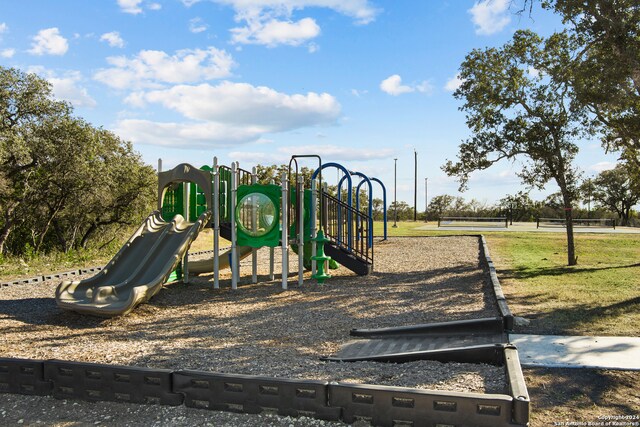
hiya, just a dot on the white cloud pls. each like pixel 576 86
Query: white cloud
pixel 227 114
pixel 185 135
pixel 3 28
pixel 335 152
pixel 197 25
pixel 393 86
pixel 453 83
pixel 360 10
pixel 270 23
pixel 424 87
pixel 130 6
pixel 7 53
pixel 274 32
pixel 329 152
pixel 533 72
pixel 151 68
pixel 490 16
pixel 67 86
pixel 113 39
pixel 49 42
pixel 358 93
pixel 602 166
pixel 243 103
pixel 135 7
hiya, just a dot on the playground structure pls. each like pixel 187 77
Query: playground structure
pixel 322 229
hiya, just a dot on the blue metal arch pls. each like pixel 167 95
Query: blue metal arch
pixel 347 175
pixel 384 205
pixel 366 179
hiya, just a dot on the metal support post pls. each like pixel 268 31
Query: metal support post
pixel 234 250
pixel 185 259
pixel 216 224
pixel 300 191
pixel 254 228
pixel 285 230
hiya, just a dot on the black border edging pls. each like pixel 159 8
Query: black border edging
pixel 497 289
pixel 254 394
pixel 380 405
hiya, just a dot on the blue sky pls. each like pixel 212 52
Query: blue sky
pixel 359 82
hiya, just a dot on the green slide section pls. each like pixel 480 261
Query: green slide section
pixel 136 272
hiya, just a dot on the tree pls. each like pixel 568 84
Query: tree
pixel 617 191
pixel 25 104
pixel 606 70
pixel 438 205
pixel 520 106
pixel 519 206
pixel 62 181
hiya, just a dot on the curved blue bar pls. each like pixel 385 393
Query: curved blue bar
pixel 347 175
pixel 366 179
pixel 384 205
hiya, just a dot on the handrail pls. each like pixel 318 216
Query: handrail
pixel 358 243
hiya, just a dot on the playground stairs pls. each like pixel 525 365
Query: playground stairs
pixel 350 234
pixel 350 260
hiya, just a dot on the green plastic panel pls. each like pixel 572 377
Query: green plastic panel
pixel 258 215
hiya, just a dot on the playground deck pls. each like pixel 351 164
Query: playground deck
pixel 262 330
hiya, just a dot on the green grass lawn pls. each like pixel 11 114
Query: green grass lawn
pixel 599 296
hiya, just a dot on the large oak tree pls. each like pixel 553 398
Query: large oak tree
pixel 520 106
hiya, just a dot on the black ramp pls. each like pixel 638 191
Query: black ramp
pixel 478 341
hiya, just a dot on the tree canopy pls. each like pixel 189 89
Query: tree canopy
pixel 62 180
pixel 605 74
pixel 616 190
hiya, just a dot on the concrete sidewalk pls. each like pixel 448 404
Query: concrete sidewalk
pixel 554 351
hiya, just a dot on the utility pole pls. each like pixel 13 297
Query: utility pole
pixel 415 185
pixel 395 192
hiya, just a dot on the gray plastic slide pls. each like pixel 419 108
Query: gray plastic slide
pixel 136 272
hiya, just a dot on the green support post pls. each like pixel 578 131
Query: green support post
pixel 320 258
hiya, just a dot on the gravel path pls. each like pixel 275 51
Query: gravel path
pixel 262 330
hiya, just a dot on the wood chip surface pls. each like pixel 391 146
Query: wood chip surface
pixel 260 329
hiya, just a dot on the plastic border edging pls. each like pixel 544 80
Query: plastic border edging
pixel 380 405
pixel 497 289
pixel 253 395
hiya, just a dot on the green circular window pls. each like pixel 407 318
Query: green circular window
pixel 256 214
